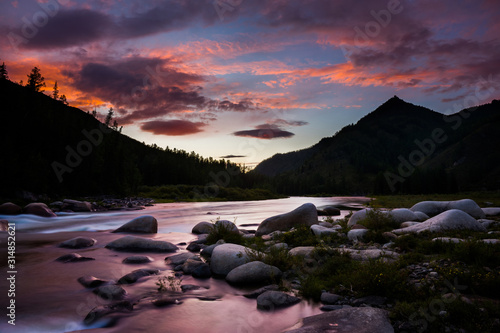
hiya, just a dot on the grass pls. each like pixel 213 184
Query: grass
pixel 223 231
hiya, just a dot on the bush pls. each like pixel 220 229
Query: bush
pixel 223 231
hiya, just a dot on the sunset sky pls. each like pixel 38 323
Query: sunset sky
pixel 251 78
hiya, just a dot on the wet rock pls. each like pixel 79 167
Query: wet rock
pixel 304 215
pixel 207 251
pixel 348 320
pixel 453 219
pixel 257 292
pixel 226 225
pixel 191 264
pixel 76 206
pixel 89 281
pixel 179 259
pixel 103 310
pixel 255 272
pixel 137 260
pixel 189 287
pixel 146 224
pixel 9 208
pixel 133 276
pixel 38 208
pixel 110 292
pixel 139 244
pixel 166 301
pixel 226 257
pixel 203 228
pixel 329 298
pixel 202 272
pixel 271 300
pixel 78 243
pixel 194 247
pixel 433 208
pixel 73 257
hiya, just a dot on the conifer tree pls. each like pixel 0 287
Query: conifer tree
pixel 35 80
pixel 4 75
pixel 55 93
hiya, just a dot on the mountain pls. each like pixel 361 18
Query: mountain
pixel 50 148
pixel 399 147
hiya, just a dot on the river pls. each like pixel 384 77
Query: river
pixel 49 299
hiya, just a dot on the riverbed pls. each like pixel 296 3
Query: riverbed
pixel 48 297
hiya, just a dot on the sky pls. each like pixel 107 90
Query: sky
pixel 246 79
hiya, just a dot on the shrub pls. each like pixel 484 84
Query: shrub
pixel 223 231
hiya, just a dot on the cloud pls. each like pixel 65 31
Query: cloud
pixel 233 156
pixel 172 127
pixel 265 131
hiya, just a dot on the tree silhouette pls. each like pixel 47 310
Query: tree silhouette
pixel 63 99
pixel 55 93
pixel 109 117
pixel 4 75
pixel 35 80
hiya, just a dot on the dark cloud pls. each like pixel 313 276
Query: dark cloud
pixel 172 127
pixel 233 156
pixel 265 131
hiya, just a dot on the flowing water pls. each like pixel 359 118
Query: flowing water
pixel 49 299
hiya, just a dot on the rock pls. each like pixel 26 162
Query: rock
pixel 146 224
pixel 322 231
pixel 324 224
pixel 4 225
pixel 226 225
pixel 38 208
pixel 329 298
pixel 110 292
pixel 408 224
pixel 193 247
pixel 207 251
pixel 139 244
pixel 202 239
pixel 165 301
pixel 102 310
pixel 486 223
pixel 78 243
pixel 358 226
pixel 227 257
pixel 399 215
pixel 356 235
pixel 304 215
pixel 257 292
pixel 89 281
pixel 133 276
pixel 490 211
pixel 389 235
pixel 328 211
pixel 137 260
pixel 73 257
pixel 421 216
pixel 433 208
pixel 76 206
pixel 370 300
pixel 447 240
pixel 491 241
pixel 9 208
pixel 189 287
pixel 191 264
pixel 347 320
pixel 365 255
pixel 453 219
pixel 279 246
pixel 179 259
pixel 271 300
pixel 202 228
pixel 327 308
pixel 202 272
pixel 252 273
pixel 302 251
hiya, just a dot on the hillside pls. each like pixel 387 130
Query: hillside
pixel 367 157
pixel 50 148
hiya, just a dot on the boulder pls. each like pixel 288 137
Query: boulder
pixel 194 247
pixel 433 208
pixel 252 273
pixel 304 215
pixel 207 251
pixel 202 228
pixel 9 208
pixel 191 264
pixel 408 224
pixel 489 211
pixel 271 300
pixel 78 243
pixel 347 320
pixel 356 235
pixel 399 215
pixel 133 276
pixel 328 211
pixel 202 271
pixel 110 292
pixel 179 259
pixel 137 260
pixel 73 257
pixel 421 216
pixel 89 281
pixel 76 206
pixel 226 225
pixel 322 231
pixel 329 298
pixel 146 224
pixel 301 251
pixel 453 219
pixel 257 292
pixel 139 244
pixel 227 257
pixel 38 208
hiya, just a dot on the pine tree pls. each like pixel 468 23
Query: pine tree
pixel 4 75
pixel 109 117
pixel 63 99
pixel 55 94
pixel 35 80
